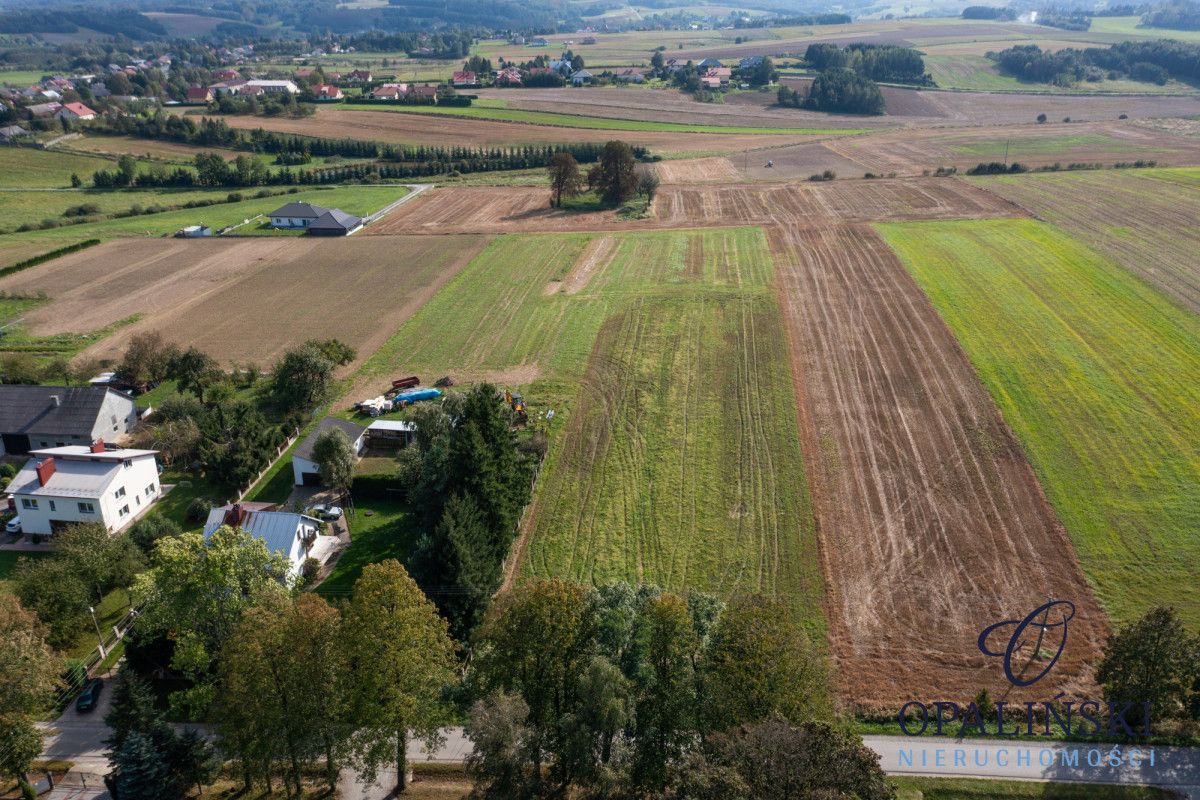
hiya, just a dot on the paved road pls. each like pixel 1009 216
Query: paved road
pixel 79 738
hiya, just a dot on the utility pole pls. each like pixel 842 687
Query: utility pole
pixel 99 638
pixel 1006 143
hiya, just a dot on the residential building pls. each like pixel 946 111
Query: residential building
pixel 389 91
pixel 296 214
pixel 34 417
pixel 751 62
pixel 199 94
pixel 326 91
pixel 359 76
pixel 275 87
pixel 286 533
pixel 709 62
pixel 464 78
pixel 630 75
pixel 426 92
pixel 62 486
pixel 44 109
pixel 76 111
pixel 304 468
pixel 509 76
pixel 335 222
pixel 581 77
pixel 11 132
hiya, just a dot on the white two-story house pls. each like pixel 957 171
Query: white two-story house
pixel 62 486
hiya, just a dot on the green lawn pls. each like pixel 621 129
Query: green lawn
pixel 14 247
pixel 1099 377
pixel 674 453
pixel 25 167
pixel 491 111
pixel 8 563
pixel 971 789
pixel 379 529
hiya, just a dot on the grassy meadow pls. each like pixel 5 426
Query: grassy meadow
pixel 674 455
pixel 1099 377
pixel 27 168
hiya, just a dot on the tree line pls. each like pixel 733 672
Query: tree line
pixel 836 91
pixel 1181 16
pixel 1152 61
pixel 879 62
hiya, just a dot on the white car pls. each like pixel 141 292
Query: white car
pixel 326 512
pixel 13 526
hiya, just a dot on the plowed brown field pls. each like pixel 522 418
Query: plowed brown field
pixel 815 203
pixel 698 170
pixel 245 299
pixel 490 209
pixel 932 523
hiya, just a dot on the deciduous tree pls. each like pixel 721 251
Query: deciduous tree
pixel 565 179
pixel 616 180
pixel 335 458
pixel 402 659
pixel 1156 660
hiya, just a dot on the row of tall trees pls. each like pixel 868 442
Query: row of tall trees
pixel 879 62
pixel 1153 61
pixel 836 91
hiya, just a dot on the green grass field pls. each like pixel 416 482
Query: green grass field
pixel 674 453
pixel 379 529
pixel 490 111
pixel 977 73
pixel 1099 377
pixel 1131 27
pixel 27 168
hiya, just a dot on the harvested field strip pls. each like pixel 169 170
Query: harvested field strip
pixel 680 464
pixel 242 299
pixel 698 170
pixel 1099 377
pixel 550 118
pixel 932 523
pixel 488 209
pixel 818 203
pixel 1145 220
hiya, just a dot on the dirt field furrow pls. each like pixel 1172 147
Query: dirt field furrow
pixel 932 523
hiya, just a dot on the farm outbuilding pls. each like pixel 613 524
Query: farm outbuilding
pixel 334 222
pixel 305 471
pixel 391 433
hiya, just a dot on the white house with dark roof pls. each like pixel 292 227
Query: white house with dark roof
pixel 62 486
pixel 304 469
pixel 34 417
pixel 296 214
pixel 292 535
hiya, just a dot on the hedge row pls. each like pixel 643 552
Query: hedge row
pixel 50 256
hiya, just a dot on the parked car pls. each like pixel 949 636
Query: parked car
pixel 326 512
pixel 89 697
pixel 13 526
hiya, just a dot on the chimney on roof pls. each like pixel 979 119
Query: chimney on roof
pixel 55 400
pixel 44 470
pixel 234 515
pixel 98 446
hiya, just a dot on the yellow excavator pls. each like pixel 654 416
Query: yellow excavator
pixel 517 404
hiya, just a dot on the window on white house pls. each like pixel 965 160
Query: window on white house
pixel 87 508
pixel 119 493
pixel 28 503
pixel 124 512
pixel 127 464
pixel 150 490
pixel 52 508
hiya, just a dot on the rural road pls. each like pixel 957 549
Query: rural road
pixel 80 738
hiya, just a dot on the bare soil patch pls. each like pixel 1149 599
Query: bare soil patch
pixel 244 300
pixel 818 203
pixel 716 169
pixel 489 209
pixel 594 256
pixel 932 523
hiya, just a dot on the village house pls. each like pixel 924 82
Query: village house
pixel 464 79
pixel 509 76
pixel 304 469
pixel 295 215
pixel 424 92
pixel 708 62
pixel 316 220
pixel 53 416
pixel 199 94
pixel 62 486
pixel 630 75
pixel 581 77
pixel 275 87
pixel 75 111
pixel 44 109
pixel 359 76
pixel 722 74
pixel 389 91
pixel 326 91
pixel 226 75
pixel 335 222
pixel 291 535
pixel 12 132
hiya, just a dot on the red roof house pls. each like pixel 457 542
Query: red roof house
pixel 76 111
pixel 464 78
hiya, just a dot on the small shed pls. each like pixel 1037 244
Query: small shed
pixel 391 433
pixel 305 471
pixel 195 232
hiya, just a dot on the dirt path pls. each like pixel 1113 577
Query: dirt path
pixel 932 523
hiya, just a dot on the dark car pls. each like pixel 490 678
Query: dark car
pixel 89 697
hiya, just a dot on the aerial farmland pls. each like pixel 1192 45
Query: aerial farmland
pixel 903 376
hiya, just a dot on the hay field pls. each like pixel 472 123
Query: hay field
pixel 1098 375
pixel 660 353
pixel 243 300
pixel 1145 220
